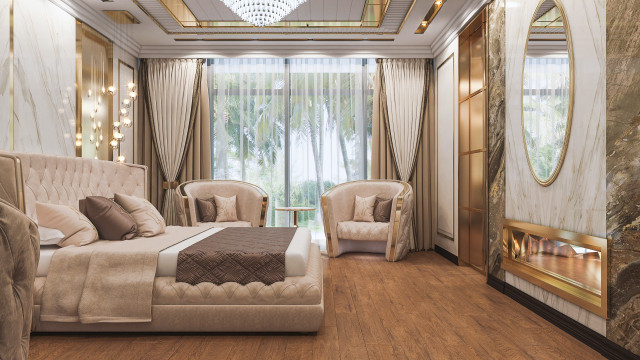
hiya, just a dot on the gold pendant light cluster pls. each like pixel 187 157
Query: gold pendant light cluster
pixel 124 119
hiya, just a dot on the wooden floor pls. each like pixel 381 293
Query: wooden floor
pixel 421 308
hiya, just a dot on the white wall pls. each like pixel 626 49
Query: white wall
pixel 445 206
pixel 5 69
pixel 576 201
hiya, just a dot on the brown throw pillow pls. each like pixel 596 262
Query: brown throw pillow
pixel 111 220
pixel 206 210
pixel 382 210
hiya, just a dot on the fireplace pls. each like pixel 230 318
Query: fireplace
pixel 570 265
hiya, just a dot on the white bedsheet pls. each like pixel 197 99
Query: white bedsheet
pixel 296 256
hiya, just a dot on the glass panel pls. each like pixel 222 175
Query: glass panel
pixel 476 122
pixel 546 93
pixel 572 262
pixel 477 180
pixel 464 126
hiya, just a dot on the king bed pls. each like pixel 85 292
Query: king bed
pixel 131 285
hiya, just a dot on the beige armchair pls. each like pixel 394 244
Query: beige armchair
pixel 251 202
pixel 345 235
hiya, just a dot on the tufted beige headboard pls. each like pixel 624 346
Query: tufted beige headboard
pixel 65 180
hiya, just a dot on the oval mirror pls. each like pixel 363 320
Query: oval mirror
pixel 547 91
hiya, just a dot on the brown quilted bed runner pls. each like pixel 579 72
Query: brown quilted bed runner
pixel 241 255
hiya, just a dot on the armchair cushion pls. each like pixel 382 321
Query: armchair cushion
pixel 382 210
pixel 357 230
pixel 363 208
pixel 207 210
pixel 226 208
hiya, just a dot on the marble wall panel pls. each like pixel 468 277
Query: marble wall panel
pixel 623 171
pixel 496 124
pixel 44 78
pixel 5 69
pixel 576 201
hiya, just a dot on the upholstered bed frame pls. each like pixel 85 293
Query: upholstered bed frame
pixel 295 305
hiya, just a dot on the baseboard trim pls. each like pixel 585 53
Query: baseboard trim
pixel 594 340
pixel 447 255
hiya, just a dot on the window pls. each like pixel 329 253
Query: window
pixel 295 127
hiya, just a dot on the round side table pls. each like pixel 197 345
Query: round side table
pixel 295 210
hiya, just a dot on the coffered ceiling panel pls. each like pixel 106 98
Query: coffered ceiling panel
pixel 312 17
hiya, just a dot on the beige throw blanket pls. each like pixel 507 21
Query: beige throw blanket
pixel 107 281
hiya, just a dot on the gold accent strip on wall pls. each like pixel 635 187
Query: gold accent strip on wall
pixel 11 80
pixel 431 14
pixel 78 87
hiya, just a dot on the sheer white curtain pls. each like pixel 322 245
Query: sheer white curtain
pixel 330 129
pixel 248 101
pixel 295 136
pixel 546 92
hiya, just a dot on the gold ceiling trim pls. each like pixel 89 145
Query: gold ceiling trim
pixel 372 2
pixel 295 39
pixel 431 14
pixel 372 15
pixel 122 17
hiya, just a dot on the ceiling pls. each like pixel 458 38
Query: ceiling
pixel 186 28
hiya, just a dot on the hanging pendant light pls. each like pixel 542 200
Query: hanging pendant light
pixel 262 12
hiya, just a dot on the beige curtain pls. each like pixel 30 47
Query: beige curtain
pixel 383 164
pixel 196 163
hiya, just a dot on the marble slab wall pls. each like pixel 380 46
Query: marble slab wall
pixel 5 69
pixel 576 201
pixel 496 124
pixel 623 171
pixel 44 78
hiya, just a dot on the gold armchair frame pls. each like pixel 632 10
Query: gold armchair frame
pixel 185 199
pixel 396 223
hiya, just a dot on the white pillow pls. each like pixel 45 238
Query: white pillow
pixel 49 236
pixel 363 208
pixel 78 230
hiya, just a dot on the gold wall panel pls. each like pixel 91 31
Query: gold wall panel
pixel 477 61
pixel 476 178
pixel 463 235
pixel 464 181
pixel 464 60
pixel 463 115
pixel 476 240
pixel 476 123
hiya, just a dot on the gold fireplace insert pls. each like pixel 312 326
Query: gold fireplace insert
pixel 568 264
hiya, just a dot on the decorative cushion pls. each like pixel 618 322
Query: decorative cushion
pixel 147 218
pixel 49 236
pixel 363 209
pixel 111 220
pixel 207 210
pixel 77 229
pixel 226 208
pixel 357 230
pixel 382 210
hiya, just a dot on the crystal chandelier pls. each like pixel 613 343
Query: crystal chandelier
pixel 262 12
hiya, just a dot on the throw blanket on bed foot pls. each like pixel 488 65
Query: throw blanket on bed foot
pixel 107 281
pixel 241 255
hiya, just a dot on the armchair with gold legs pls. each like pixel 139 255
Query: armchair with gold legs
pixel 346 235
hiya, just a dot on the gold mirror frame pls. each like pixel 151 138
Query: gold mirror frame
pixel 567 134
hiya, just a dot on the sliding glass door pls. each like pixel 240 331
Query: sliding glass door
pixel 295 127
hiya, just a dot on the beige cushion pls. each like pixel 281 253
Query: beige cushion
pixel 226 208
pixel 147 218
pixel 77 229
pixel 357 230
pixel 363 208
